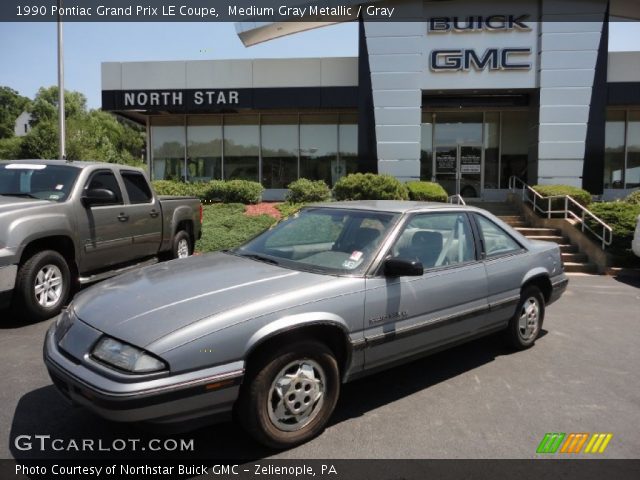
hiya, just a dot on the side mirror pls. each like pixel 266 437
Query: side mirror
pixel 402 267
pixel 98 196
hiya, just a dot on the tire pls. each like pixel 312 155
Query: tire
pixel 182 245
pixel 259 400
pixel 43 284
pixel 526 323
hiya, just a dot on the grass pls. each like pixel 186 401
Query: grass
pixel 226 226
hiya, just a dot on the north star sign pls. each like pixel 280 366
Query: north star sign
pixel 464 59
pixel 145 99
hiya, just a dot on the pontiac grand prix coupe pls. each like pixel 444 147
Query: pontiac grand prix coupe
pixel 272 329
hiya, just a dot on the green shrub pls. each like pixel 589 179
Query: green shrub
pixel 286 209
pixel 426 192
pixel 242 191
pixel 633 197
pixel 233 191
pixel 307 191
pixel 621 216
pixel 369 186
pixel 579 195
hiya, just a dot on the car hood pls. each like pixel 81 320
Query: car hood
pixel 145 305
pixel 10 204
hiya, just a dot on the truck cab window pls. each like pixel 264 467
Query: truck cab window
pixel 137 187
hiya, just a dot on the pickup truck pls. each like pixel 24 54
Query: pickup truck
pixel 64 224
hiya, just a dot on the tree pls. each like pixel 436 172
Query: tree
pixel 12 104
pixel 45 105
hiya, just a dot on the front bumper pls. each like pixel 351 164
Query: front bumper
pixel 7 283
pixel 208 393
pixel 558 286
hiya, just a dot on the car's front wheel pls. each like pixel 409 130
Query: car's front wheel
pixel 290 397
pixel 526 324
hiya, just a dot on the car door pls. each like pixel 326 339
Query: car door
pixel 145 221
pixel 405 316
pixel 505 268
pixel 104 229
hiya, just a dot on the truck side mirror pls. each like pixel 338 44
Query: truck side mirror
pixel 98 196
pixel 402 267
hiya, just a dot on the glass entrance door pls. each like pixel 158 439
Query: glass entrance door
pixel 459 169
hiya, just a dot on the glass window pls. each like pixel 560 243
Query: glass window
pixel 348 141
pixel 137 187
pixel 426 148
pixel 204 148
pixel 167 148
pixel 458 128
pixel 107 180
pixel 436 240
pixel 632 179
pixel 319 147
pixel 491 149
pixel 328 240
pixel 279 137
pixel 496 241
pixel 241 147
pixel 614 149
pixel 515 146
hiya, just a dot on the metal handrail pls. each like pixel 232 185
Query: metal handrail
pixel 537 200
pixel 457 199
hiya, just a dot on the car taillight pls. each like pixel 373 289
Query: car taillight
pixel 201 214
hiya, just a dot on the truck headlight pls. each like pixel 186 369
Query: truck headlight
pixel 126 357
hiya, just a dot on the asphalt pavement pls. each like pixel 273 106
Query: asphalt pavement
pixel 478 400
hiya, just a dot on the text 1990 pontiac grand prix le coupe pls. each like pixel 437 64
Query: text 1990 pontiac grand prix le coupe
pixel 273 328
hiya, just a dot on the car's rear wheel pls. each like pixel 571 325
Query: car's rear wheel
pixel 42 285
pixel 526 323
pixel 290 397
pixel 182 245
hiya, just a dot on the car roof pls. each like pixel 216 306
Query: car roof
pixel 70 163
pixel 392 206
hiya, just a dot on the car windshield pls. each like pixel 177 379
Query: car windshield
pixel 326 240
pixel 45 182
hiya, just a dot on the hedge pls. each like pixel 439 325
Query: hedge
pixel 369 186
pixel 621 216
pixel 579 195
pixel 232 191
pixel 633 197
pixel 307 191
pixel 426 192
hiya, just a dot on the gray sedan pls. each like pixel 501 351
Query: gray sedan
pixel 272 329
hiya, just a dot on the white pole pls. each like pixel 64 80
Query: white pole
pixel 61 125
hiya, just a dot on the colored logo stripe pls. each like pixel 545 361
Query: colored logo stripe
pixel 598 443
pixel 574 442
pixel 550 443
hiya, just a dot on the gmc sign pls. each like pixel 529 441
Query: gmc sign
pixel 452 60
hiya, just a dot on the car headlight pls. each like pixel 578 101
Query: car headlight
pixel 126 357
pixel 63 323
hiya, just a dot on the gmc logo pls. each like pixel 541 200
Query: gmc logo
pixel 452 60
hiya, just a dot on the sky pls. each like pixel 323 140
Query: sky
pixel 28 50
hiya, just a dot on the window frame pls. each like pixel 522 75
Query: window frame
pixel 133 172
pixel 120 202
pixel 480 236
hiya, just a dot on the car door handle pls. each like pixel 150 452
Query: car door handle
pixel 154 213
pixel 123 218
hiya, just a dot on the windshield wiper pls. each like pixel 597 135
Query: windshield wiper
pixel 259 258
pixel 28 195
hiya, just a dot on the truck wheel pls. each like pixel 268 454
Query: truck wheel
pixel 182 245
pixel 291 396
pixel 42 285
pixel 526 323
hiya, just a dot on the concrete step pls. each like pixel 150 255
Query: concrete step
pixel 549 238
pixel 527 231
pixel 574 267
pixel 517 224
pixel 568 248
pixel 574 258
pixel 511 218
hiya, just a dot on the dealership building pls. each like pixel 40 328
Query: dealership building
pixel 467 97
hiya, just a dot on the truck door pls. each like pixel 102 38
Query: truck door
pixel 104 229
pixel 145 219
